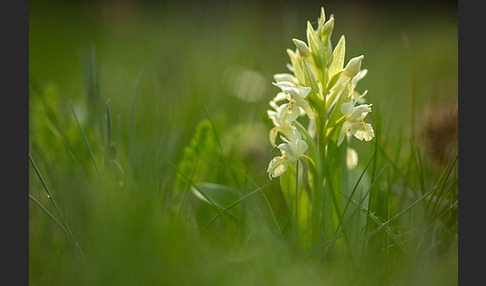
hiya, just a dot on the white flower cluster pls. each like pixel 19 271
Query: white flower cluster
pixel 282 117
pixel 317 71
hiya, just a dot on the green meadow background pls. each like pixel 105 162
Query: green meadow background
pixel 117 90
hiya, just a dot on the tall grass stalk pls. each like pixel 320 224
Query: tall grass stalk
pixel 87 143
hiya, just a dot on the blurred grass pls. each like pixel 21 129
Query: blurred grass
pixel 198 58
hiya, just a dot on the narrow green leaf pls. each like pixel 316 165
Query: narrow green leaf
pixel 310 79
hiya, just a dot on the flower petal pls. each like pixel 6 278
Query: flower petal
pixel 299 148
pixel 273 115
pixel 361 74
pixel 363 131
pixel 277 167
pixel 293 91
pixel 347 108
pixel 360 112
pixel 279 77
pixel 284 84
pixel 290 67
pixel 273 135
pixel 344 129
pixel 289 112
pixel 279 97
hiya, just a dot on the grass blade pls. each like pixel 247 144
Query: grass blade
pixel 45 185
pixel 65 227
pixel 390 221
pixel 50 215
pixel 233 204
pixel 357 182
pixel 86 142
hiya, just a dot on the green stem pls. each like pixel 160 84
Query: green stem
pixel 322 126
pixel 296 199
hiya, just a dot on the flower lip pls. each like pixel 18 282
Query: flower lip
pixel 288 112
pixel 355 121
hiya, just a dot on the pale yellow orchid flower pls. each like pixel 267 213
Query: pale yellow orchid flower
pixel 355 121
pixel 297 96
pixel 291 152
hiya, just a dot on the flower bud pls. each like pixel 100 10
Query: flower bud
pixel 327 29
pixel 302 48
pixel 353 67
pixel 322 19
pixel 351 158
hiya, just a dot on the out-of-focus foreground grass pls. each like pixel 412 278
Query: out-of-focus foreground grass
pixel 153 72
